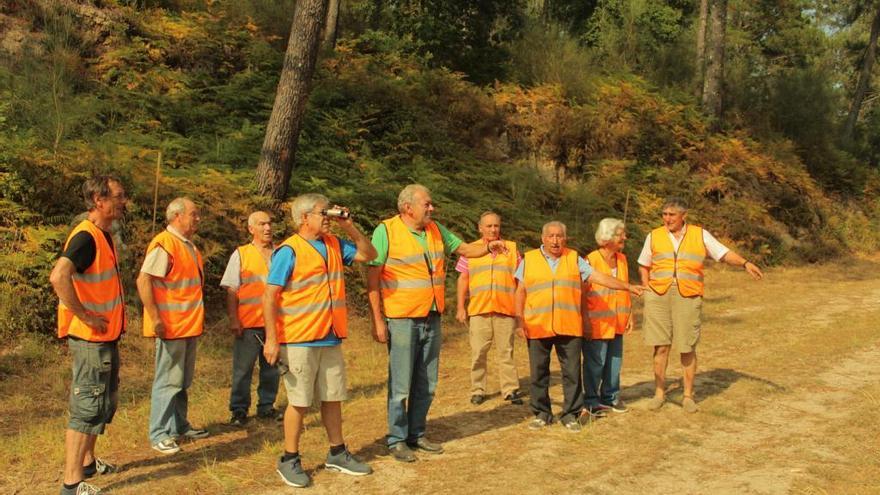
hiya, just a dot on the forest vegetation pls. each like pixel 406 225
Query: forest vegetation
pixel 763 114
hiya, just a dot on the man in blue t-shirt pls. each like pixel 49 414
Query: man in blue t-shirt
pixel 304 312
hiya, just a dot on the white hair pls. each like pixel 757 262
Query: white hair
pixel 304 203
pixel 252 218
pixel 607 229
pixel 554 223
pixel 406 195
pixel 177 206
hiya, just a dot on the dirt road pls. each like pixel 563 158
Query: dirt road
pixel 788 386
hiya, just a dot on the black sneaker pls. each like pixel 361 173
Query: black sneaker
pixel 239 418
pixel 478 399
pixel 271 413
pixel 514 397
pixel 99 467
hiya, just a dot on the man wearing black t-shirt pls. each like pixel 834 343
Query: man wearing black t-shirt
pixel 91 315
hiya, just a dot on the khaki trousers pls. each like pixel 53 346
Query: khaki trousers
pixel 484 329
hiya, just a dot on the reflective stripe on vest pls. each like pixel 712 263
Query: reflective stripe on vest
pixel 491 284
pixel 99 289
pixel 313 300
pixel 254 271
pixel 553 300
pixel 409 289
pixel 609 309
pixel 178 295
pixel 685 266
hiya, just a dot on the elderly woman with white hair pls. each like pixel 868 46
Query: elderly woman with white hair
pixel 610 319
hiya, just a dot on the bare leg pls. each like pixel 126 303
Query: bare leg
pixel 75 446
pixel 661 357
pixel 293 422
pixel 89 456
pixel 689 370
pixel 331 416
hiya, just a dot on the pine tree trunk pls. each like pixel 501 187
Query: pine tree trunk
pixel 282 132
pixel 332 24
pixel 864 79
pixel 714 79
pixel 700 66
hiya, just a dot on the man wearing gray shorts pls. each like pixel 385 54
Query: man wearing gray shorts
pixel 671 264
pixel 91 315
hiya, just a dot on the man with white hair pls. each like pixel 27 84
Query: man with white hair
pixel 671 264
pixel 170 286
pixel 549 315
pixel 306 319
pixel 245 282
pixel 406 287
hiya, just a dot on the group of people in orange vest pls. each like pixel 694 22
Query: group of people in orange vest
pixel 287 308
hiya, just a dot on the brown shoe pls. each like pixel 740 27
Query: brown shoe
pixel 401 452
pixel 656 403
pixel 689 405
pixel 425 446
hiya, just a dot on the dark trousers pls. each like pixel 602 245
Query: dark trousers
pixel 568 352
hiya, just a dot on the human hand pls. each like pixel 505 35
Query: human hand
pixel 636 289
pixel 380 331
pixel 497 246
pixel 235 327
pixel 95 321
pixel 270 352
pixel 753 270
pixel 159 329
pixel 461 315
pixel 629 325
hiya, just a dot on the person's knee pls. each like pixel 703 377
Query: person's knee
pixel 661 351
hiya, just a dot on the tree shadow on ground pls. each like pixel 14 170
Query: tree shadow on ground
pixel 707 383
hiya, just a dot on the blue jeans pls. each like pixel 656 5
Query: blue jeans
pixel 245 352
pixel 413 364
pixel 175 366
pixel 602 362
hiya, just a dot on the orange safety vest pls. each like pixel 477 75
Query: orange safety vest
pixel 178 295
pixel 553 300
pixel 409 288
pixel 253 273
pixel 491 284
pixel 685 266
pixel 313 300
pixel 99 289
pixel 609 309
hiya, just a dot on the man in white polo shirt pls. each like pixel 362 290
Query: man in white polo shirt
pixel 671 264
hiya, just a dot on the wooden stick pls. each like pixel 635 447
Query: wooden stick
pixel 156 190
pixel 626 206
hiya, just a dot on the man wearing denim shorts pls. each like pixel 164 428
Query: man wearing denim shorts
pixel 91 315
pixel 410 270
pixel 306 319
pixel 671 264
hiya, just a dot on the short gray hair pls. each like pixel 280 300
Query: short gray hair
pixel 304 203
pixel 406 195
pixel 176 207
pixel 554 223
pixel 675 202
pixel 252 218
pixel 607 229
pixel 486 214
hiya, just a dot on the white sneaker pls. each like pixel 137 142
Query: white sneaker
pixel 167 447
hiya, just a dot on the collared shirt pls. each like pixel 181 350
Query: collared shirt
pixel 157 263
pixel 462 265
pixel 232 276
pixel 714 248
pixel 583 266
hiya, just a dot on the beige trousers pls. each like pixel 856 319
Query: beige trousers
pixel 484 329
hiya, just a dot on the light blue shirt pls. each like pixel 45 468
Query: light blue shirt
pixel 583 266
pixel 283 261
